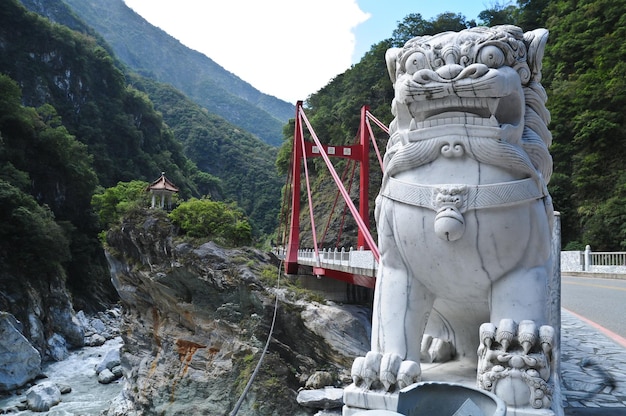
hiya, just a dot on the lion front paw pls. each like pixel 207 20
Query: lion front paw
pixel 514 361
pixel 386 370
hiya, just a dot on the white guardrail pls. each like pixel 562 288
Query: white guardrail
pixel 571 261
pixel 341 259
pixel 593 262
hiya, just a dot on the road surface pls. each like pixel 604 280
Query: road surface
pixel 602 301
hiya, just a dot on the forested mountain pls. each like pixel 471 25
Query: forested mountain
pixel 153 53
pixel 72 121
pixel 232 173
pixel 584 76
pixel 243 163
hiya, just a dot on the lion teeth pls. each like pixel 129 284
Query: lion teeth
pixel 493 105
pixel 454 120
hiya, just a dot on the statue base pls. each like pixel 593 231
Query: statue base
pixel 460 376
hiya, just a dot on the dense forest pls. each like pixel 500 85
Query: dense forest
pixel 73 121
pixel 584 75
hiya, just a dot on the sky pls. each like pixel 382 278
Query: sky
pixel 289 48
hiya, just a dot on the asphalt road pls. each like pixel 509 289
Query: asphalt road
pixel 602 301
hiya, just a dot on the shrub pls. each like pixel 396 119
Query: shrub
pixel 203 218
pixel 113 203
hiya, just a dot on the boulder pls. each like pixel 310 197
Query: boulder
pixel 41 397
pixel 95 340
pixel 110 360
pixel 326 398
pixel 320 379
pixel 106 376
pixel 57 347
pixel 117 371
pixel 64 388
pixel 20 362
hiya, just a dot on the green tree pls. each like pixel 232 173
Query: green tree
pixel 531 13
pixel 111 204
pixel 30 239
pixel 584 76
pixel 415 25
pixel 499 14
pixel 203 218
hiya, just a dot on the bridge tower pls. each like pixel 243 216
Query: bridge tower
pixel 306 149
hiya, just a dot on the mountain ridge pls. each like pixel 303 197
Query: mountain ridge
pixel 151 52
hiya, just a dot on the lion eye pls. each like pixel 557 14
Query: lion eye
pixel 415 62
pixel 491 56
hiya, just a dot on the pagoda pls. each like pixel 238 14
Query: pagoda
pixel 163 189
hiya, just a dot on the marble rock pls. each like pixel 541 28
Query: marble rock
pixel 20 362
pixel 110 360
pixel 57 347
pixel 41 397
pixel 106 376
pixel 319 379
pixel 326 398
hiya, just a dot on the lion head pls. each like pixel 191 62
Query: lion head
pixel 480 85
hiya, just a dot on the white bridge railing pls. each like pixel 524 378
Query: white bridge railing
pixel 340 259
pixel 363 260
pixel 593 262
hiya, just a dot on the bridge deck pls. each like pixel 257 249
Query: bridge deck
pixel 353 266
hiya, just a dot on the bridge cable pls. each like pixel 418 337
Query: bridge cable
pixel 373 139
pixel 350 164
pixel 368 237
pixel 309 195
pixel 345 206
pixel 267 344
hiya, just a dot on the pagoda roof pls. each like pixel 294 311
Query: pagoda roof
pixel 162 184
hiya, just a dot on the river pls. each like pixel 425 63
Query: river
pixel 88 397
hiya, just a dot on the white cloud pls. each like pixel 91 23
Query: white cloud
pixel 286 48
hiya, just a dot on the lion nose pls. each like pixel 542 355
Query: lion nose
pixel 449 71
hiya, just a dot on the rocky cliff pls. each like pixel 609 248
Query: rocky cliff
pixel 37 323
pixel 197 316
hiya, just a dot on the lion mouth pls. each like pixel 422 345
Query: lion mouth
pixel 490 112
pixel 491 105
pixel 478 116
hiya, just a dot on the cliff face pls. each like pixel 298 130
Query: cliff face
pixel 196 320
pixel 44 311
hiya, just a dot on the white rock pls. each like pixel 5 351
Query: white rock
pixel 326 398
pixel 319 379
pixel 42 397
pixel 110 360
pixel 95 340
pixel 57 347
pixel 19 360
pixel 106 376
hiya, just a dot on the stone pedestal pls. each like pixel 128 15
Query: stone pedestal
pixel 426 399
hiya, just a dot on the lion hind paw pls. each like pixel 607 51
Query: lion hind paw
pixel 435 350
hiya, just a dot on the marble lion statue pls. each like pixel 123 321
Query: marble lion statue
pixel 464 217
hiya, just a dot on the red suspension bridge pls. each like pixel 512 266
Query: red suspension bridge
pixel 358 266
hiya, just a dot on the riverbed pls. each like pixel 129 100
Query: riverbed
pixel 88 397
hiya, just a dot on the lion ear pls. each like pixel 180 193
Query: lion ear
pixel 535 41
pixel 391 57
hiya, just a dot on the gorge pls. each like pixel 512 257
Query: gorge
pixel 196 317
